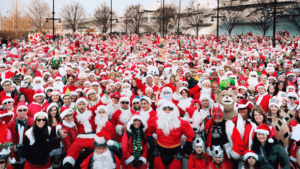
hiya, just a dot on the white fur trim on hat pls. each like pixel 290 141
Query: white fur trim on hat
pixel 242 87
pixel 149 88
pixel 136 100
pixel 95 83
pixel 90 92
pixel 5 80
pixel 102 107
pixel 81 100
pixel 134 117
pixel 147 99
pixel 55 92
pixel 51 105
pixel 23 106
pixel 265 132
pixel 7 100
pixel 30 77
pixel 40 114
pixel 65 112
pixel 100 140
pixel 250 154
pixel 124 98
pixel 206 81
pixel 40 94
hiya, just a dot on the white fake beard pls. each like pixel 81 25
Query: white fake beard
pixel 206 91
pixel 81 68
pixel 126 92
pixel 103 161
pixel 58 86
pixel 125 116
pixel 37 86
pixel 62 71
pixel 252 81
pixel 167 122
pixel 100 121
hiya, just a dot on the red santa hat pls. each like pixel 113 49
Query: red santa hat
pixel 58 76
pixel 39 92
pixel 147 99
pixel 5 80
pixel 7 99
pixel 55 92
pixel 102 138
pixel 245 103
pixel 40 114
pixel 6 117
pixel 242 87
pixel 81 99
pixel 134 117
pixel 260 85
pixel 65 110
pixel 293 94
pixel 21 105
pixel 90 91
pixel 95 83
pixel 103 107
pixel 124 98
pixel 206 81
pixel 265 129
pixel 50 106
pixel 250 153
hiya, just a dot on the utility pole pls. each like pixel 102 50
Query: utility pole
pixel 163 18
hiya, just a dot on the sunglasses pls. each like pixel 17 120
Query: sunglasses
pixel 125 102
pixel 240 97
pixel 2 162
pixel 7 103
pixel 170 108
pixel 184 84
pixel 39 120
pixel 136 103
pixel 293 98
pixel 2 67
pixel 22 110
pixel 166 92
pixel 70 115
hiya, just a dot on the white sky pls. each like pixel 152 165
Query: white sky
pixel 90 5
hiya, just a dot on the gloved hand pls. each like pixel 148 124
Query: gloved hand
pixel 155 152
pixel 179 155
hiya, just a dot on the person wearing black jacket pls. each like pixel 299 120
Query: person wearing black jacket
pixel 38 143
pixel 191 81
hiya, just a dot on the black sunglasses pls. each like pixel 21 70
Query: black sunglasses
pixel 2 162
pixel 39 120
pixel 293 98
pixel 69 115
pixel 7 103
pixel 168 107
pixel 125 102
pixel 20 110
pixel 240 97
pixel 135 103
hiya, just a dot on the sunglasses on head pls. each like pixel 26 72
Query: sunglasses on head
pixel 39 120
pixel 125 102
pixel 240 97
pixel 7 103
pixel 168 107
pixel 135 103
pixel 22 110
pixel 293 98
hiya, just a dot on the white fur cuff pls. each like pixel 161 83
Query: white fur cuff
pixel 143 159
pixel 57 128
pixel 70 160
pixel 119 130
pixel 129 160
pixel 235 155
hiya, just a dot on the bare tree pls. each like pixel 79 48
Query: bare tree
pixel 258 17
pixel 196 13
pixel 72 14
pixel 38 11
pixel 232 14
pixel 165 23
pixel 102 16
pixel 178 19
pixel 135 19
pixel 294 15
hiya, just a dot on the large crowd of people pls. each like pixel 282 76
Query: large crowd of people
pixel 137 102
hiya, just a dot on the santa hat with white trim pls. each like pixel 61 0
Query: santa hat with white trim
pixel 124 98
pixel 65 110
pixel 245 103
pixel 136 116
pixel 103 107
pixel 81 99
pixel 242 87
pixel 260 85
pixel 102 139
pixel 293 94
pixel 40 114
pixel 265 129
pixel 21 104
pixel 5 80
pixel 250 153
pixel 7 99
pixel 39 92
pixel 50 106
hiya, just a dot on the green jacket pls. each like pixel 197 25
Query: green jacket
pixel 278 155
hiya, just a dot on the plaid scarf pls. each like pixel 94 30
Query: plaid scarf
pixel 137 145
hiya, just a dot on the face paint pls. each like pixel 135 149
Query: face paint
pixel 217 113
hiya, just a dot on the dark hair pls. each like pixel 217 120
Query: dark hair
pixel 40 133
pixel 276 87
pixel 93 67
pixel 19 97
pixel 262 112
pixel 50 122
pixel 296 117
pixel 268 146
pixel 247 166
pixel 134 88
pixel 277 114
pixel 202 155
pixel 59 102
pixel 268 90
pixel 187 91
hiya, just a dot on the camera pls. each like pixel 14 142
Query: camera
pixel 19 152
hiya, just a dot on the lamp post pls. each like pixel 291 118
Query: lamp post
pixel 111 19
pixel 218 16
pixel 53 19
pixel 274 13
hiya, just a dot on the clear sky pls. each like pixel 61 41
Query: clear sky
pixel 90 5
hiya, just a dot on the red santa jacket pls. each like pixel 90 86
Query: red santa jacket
pixel 72 132
pixel 86 163
pixel 143 87
pixel 146 115
pixel 117 123
pixel 108 128
pixel 233 137
pixel 16 136
pixel 7 75
pixel 85 123
pixel 264 102
pixel 29 93
pixel 197 163
pixel 2 96
pixel 212 165
pixel 294 147
pixel 174 138
pixel 34 107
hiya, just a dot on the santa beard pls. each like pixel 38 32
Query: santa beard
pixel 206 92
pixel 100 121
pixel 58 86
pixel 81 69
pixel 252 81
pixel 167 121
pixel 37 86
pixel 103 160
pixel 125 116
pixel 62 71
pixel 126 92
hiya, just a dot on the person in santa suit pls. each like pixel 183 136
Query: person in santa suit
pixel 4 74
pixel 102 122
pixel 295 131
pixel 146 110
pixel 39 104
pixel 34 86
pixel 8 104
pixel 134 144
pixel 243 118
pixel 182 95
pixel 113 104
pixel 148 81
pixel 121 117
pixel 15 69
pixel 18 127
pixel 38 143
pixel 169 129
pixel 263 98
pixel 253 79
pixel 7 86
pixel 206 90
pixel 103 156
pixel 217 159
pixel 220 132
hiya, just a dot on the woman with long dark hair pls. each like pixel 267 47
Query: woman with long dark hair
pixel 270 152
pixel 279 87
pixel 22 97
pixel 55 98
pixel 250 159
pixel 134 87
pixel 38 143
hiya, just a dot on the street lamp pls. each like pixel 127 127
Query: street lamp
pixel 274 13
pixel 111 19
pixel 218 16
pixel 47 20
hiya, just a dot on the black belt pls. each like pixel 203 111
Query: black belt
pixel 89 132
